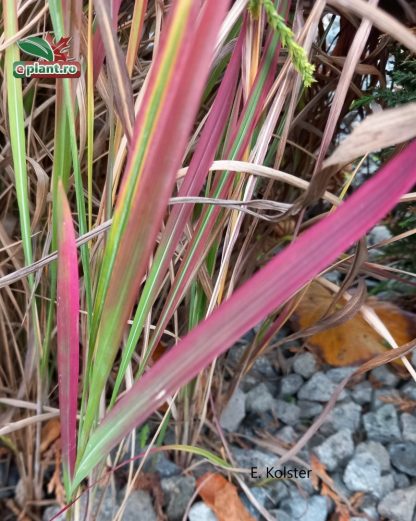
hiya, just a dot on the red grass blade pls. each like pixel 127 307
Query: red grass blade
pixel 200 241
pixel 170 102
pixel 312 252
pixel 98 44
pixel 68 333
pixel 201 161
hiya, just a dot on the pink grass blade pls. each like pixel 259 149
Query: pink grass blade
pixel 200 242
pixel 162 128
pixel 98 44
pixel 312 252
pixel 68 333
pixel 199 166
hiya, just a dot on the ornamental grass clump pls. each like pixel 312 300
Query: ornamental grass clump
pixel 145 203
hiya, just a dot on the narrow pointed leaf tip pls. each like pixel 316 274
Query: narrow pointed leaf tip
pixel 68 333
pixel 314 250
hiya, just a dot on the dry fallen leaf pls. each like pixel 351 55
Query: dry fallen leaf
pixel 55 485
pixel 402 404
pixel 341 510
pixel 354 341
pixel 50 433
pixel 222 498
pixel 151 483
pixel 317 469
pixel 328 488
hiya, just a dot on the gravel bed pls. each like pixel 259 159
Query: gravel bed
pixel 367 446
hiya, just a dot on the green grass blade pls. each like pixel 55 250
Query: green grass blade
pixel 17 132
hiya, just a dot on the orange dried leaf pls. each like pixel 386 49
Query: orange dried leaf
pixel 50 433
pixel 354 341
pixel 158 352
pixel 341 509
pixel 318 470
pixel 55 485
pixel 222 498
pixel 403 404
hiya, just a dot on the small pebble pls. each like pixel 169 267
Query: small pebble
pixel 162 465
pixel 260 495
pixel 314 508
pixel 377 450
pixel 139 501
pixel 384 376
pixel 319 388
pixel 287 412
pixel 309 409
pixel 380 396
pixel 363 473
pixel 277 491
pixel 362 393
pixel 290 384
pixel 409 390
pixel 378 234
pixel 337 374
pixel 177 492
pixel 259 400
pixel 408 422
pixel 264 367
pixel 336 449
pixel 344 416
pixel 401 480
pixel 201 512
pixel 247 458
pixel 386 486
pixel 234 412
pixel 399 505
pixel 382 425
pixel 287 434
pixel 403 457
pixel 305 364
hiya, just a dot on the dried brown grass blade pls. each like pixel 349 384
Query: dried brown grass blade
pixel 347 74
pixel 42 188
pixel 118 70
pixel 386 23
pixel 380 130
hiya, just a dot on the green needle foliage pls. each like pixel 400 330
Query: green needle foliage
pixel 401 85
